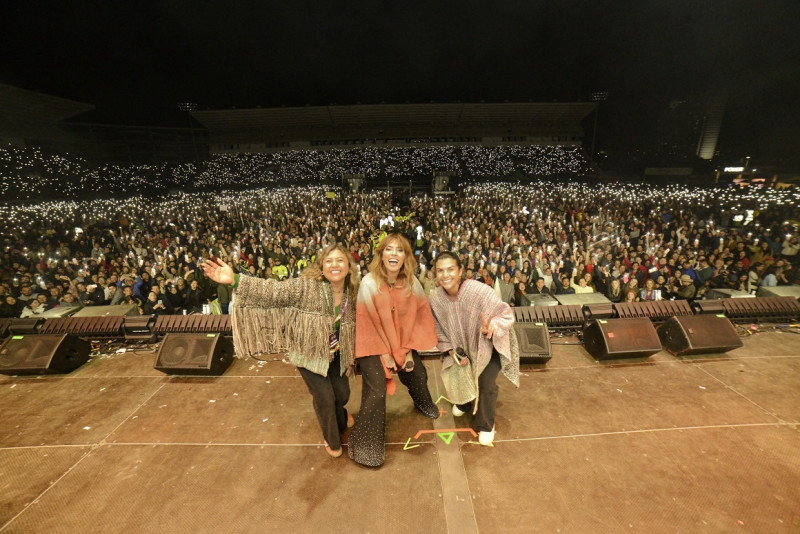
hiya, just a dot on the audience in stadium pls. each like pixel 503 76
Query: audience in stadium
pixel 608 238
pixel 32 173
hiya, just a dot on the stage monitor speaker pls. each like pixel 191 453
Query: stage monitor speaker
pixel 27 326
pixel 607 339
pixel 535 299
pixel 139 328
pixel 59 311
pixel 534 342
pixel 118 310
pixel 581 299
pixel 779 291
pixel 728 294
pixel 43 354
pixel 598 311
pixel 194 354
pixel 709 306
pixel 698 334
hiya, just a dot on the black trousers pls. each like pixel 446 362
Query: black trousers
pixel 368 438
pixel 487 396
pixel 330 394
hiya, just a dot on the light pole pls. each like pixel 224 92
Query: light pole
pixel 599 96
pixel 188 107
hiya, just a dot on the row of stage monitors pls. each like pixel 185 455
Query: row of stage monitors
pixel 209 354
pixel 610 339
pixel 183 354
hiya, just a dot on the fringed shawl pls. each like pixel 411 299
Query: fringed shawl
pixel 293 315
pixel 458 324
pixel 392 321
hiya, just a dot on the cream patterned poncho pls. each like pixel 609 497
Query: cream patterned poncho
pixel 458 324
pixel 295 315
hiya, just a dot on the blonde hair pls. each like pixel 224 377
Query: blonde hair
pixel 314 270
pixel 378 269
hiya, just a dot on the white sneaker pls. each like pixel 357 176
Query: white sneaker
pixel 486 438
pixel 457 412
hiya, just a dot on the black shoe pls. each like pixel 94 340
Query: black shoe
pixel 431 412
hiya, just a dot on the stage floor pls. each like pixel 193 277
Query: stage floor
pixel 664 444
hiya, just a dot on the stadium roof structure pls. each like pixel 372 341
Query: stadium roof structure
pixel 24 112
pixel 38 119
pixel 388 121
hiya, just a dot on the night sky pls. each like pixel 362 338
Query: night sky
pixel 135 64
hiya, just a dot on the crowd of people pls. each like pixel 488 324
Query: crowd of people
pixel 371 279
pixel 32 173
pixel 627 241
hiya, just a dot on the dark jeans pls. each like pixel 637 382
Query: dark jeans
pixel 487 396
pixel 368 438
pixel 330 394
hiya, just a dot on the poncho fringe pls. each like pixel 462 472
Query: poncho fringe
pixel 270 317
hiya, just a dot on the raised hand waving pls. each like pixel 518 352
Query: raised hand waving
pixel 218 271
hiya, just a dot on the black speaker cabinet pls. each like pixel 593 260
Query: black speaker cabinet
pixel 27 326
pixel 706 306
pixel 698 334
pixel 139 328
pixel 603 310
pixel 534 342
pixel 194 354
pixel 608 339
pixel 43 354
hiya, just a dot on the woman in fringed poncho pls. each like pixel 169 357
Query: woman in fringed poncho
pixel 469 315
pixel 313 317
pixel 393 322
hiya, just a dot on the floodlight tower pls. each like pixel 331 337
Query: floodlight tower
pixel 188 107
pixel 597 96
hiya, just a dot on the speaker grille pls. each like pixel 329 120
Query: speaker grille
pixel 565 316
pixel 656 310
pixel 42 353
pixel 621 338
pixel 762 308
pixel 698 334
pixel 28 352
pixel 194 354
pixel 190 351
pixel 166 324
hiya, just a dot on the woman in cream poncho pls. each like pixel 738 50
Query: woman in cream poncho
pixel 470 316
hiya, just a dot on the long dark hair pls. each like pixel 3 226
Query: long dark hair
pixel 449 255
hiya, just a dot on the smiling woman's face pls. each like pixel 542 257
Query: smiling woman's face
pixel 393 257
pixel 335 266
pixel 448 275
